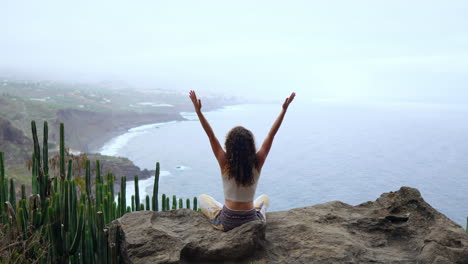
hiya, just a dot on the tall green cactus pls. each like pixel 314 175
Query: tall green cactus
pixel 98 172
pixel 123 198
pixel 42 182
pixel 181 203
pixel 45 149
pixel 137 194
pixel 37 150
pixel 174 202
pixel 163 202
pixel 62 151
pixel 156 188
pixel 88 179
pixel 12 194
pixel 2 180
pixel 79 231
pixel 34 179
pixel 147 202
pixel 195 208
pixel 23 191
pixel 23 222
pixel 187 202
pixel 70 170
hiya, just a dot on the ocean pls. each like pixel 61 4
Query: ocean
pixel 324 151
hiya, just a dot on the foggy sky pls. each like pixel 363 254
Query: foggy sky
pixel 362 49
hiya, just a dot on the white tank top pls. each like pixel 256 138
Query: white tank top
pixel 239 193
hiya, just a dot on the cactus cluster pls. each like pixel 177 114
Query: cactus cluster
pixel 68 223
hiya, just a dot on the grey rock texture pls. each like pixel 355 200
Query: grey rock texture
pixel 399 227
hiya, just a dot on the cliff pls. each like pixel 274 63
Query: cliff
pixel 399 227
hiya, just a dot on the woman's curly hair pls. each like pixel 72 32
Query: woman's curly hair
pixel 241 156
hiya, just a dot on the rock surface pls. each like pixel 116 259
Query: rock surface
pixel 399 227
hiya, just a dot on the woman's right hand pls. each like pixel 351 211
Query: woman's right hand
pixel 196 102
pixel 288 100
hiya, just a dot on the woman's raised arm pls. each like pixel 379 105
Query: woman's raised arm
pixel 265 149
pixel 215 146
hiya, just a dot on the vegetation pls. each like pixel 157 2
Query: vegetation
pixel 62 221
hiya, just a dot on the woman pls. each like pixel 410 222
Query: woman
pixel 241 166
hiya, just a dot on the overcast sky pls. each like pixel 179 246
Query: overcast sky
pixel 364 49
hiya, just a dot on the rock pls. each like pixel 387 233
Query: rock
pixel 399 227
pixel 172 236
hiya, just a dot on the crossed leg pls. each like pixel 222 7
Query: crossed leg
pixel 261 204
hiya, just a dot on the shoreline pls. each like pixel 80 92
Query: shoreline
pixel 97 143
pixel 111 147
pixel 109 143
pixel 159 118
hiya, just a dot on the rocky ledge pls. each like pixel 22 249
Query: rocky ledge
pixel 399 227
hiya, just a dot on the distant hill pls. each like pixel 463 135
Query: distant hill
pixel 16 146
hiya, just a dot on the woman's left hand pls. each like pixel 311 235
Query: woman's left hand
pixel 288 100
pixel 196 102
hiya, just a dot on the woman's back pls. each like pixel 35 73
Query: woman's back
pixel 237 192
pixel 240 165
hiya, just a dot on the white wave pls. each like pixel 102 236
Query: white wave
pixel 112 147
pixel 193 116
pixel 182 168
pixel 189 115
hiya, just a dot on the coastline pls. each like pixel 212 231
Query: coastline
pixel 135 121
pixel 97 141
pixel 111 147
pixel 109 143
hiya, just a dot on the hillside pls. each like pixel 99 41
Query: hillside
pixel 92 115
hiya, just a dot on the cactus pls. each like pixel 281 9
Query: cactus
pixel 70 170
pixel 147 202
pixel 88 179
pixel 12 194
pixel 181 203
pixel 79 231
pixel 163 202
pixel 106 210
pixel 137 194
pixel 2 180
pixel 115 210
pixel 98 172
pixel 37 151
pixel 23 191
pixel 123 190
pixel 110 183
pixel 187 202
pixel 34 181
pixel 45 149
pixel 23 222
pixel 195 208
pixel 156 188
pixel 73 227
pixel 62 151
pixel 174 202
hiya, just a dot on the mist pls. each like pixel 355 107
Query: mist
pixel 409 50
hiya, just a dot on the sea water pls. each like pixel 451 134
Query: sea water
pixel 324 151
